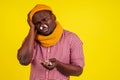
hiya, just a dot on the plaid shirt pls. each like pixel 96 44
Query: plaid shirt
pixel 67 50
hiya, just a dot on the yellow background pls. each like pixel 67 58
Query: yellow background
pixel 96 22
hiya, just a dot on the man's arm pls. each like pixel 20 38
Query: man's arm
pixel 66 69
pixel 25 53
pixel 69 69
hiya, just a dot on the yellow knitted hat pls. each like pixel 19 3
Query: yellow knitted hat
pixel 37 8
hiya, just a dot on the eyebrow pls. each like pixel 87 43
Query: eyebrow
pixel 37 22
pixel 40 20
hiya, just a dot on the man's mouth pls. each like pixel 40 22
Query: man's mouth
pixel 44 28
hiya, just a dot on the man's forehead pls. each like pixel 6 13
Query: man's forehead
pixel 43 12
pixel 40 15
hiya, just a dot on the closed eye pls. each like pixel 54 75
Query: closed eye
pixel 45 19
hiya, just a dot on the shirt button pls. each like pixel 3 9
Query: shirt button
pixel 47 73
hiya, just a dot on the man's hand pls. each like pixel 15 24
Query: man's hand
pixel 50 64
pixel 66 69
pixel 30 22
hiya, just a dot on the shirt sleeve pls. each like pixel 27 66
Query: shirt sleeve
pixel 76 51
pixel 34 51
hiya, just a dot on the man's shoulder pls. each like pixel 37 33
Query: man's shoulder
pixel 68 33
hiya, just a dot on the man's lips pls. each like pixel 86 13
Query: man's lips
pixel 44 28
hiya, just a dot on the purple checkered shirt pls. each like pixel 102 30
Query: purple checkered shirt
pixel 67 50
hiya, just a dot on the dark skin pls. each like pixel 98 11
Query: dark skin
pixel 44 18
pixel 25 53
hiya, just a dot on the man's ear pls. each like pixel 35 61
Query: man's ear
pixel 53 17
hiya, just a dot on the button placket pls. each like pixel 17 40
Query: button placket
pixel 47 57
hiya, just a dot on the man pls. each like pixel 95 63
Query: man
pixel 54 53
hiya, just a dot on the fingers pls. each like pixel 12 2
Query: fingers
pixel 52 59
pixel 30 22
pixel 48 64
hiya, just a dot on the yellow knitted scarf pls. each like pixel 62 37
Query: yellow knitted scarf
pixel 51 39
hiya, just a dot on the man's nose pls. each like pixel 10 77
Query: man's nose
pixel 43 23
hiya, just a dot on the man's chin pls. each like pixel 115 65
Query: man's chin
pixel 44 34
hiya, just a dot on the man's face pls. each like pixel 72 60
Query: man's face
pixel 44 22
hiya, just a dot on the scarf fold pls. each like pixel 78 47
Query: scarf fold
pixel 51 39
